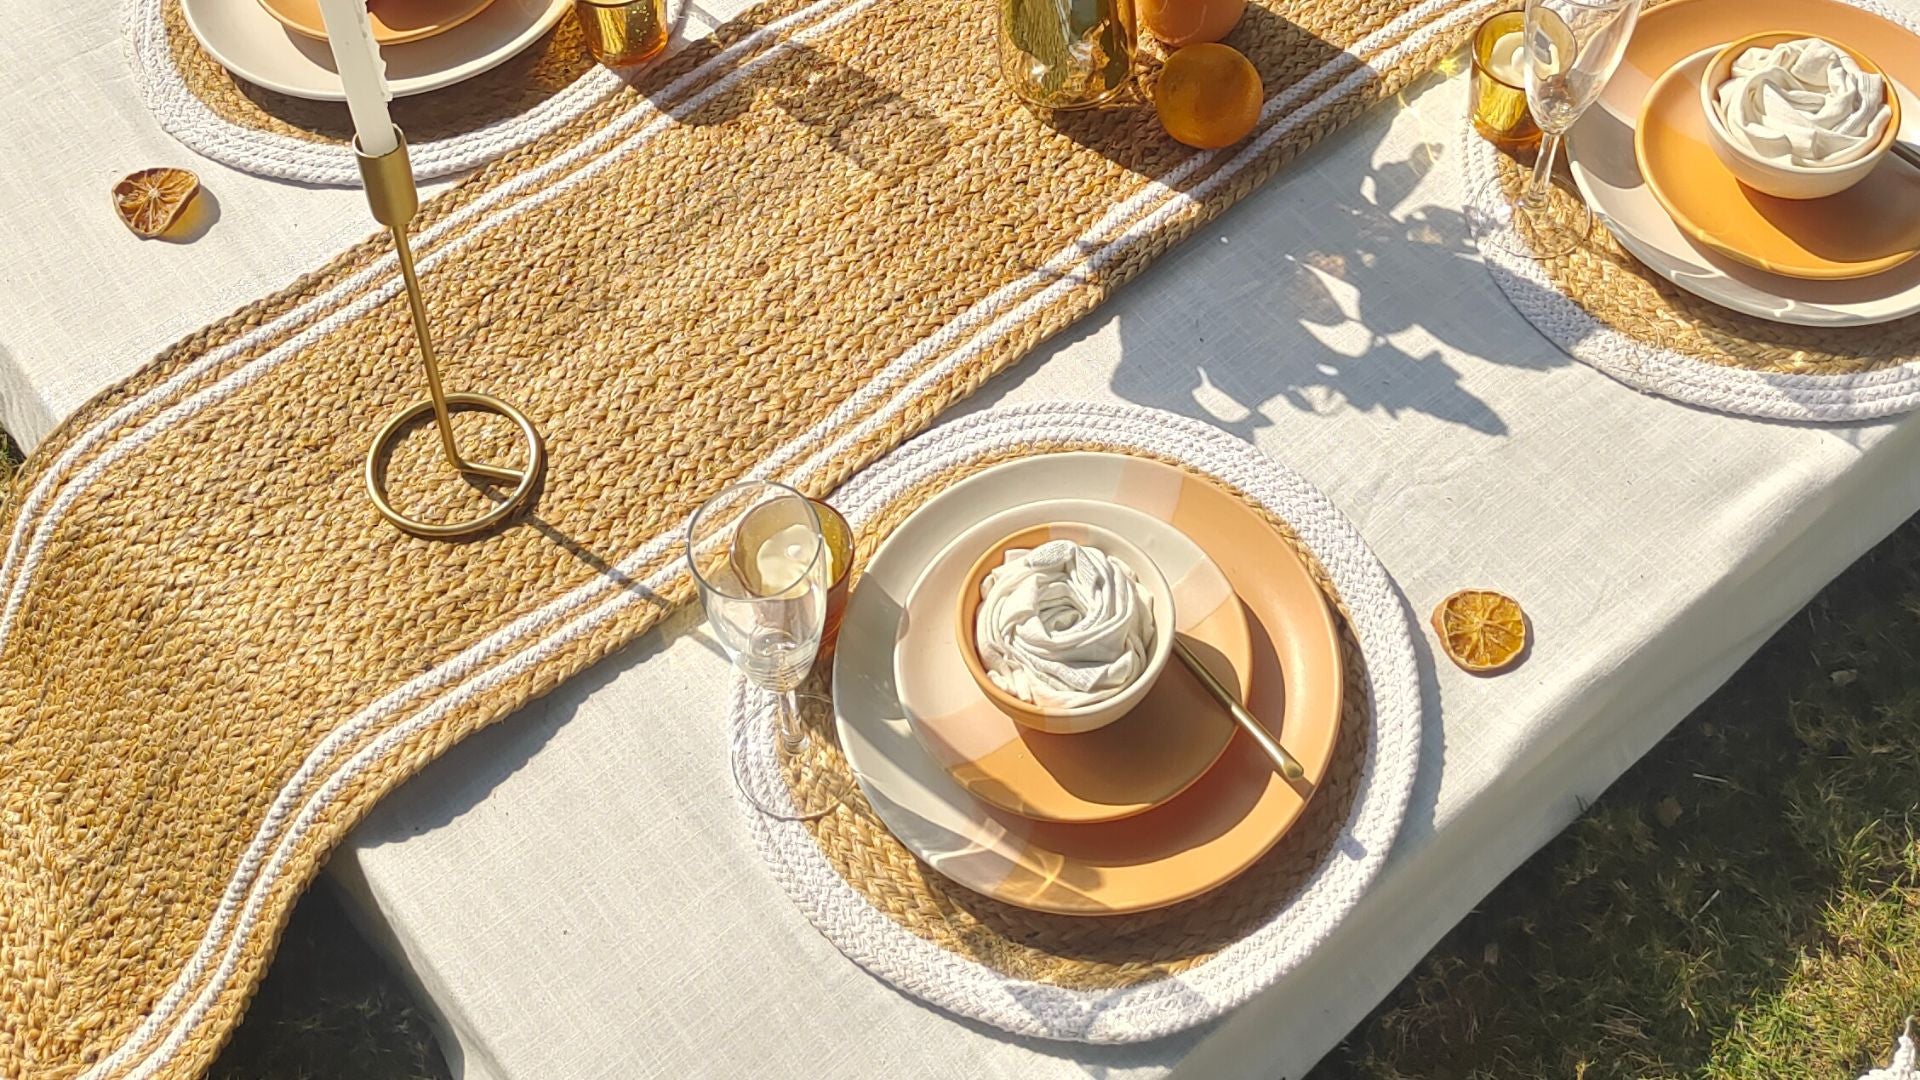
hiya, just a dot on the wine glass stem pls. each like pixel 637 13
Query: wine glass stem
pixel 787 723
pixel 1535 199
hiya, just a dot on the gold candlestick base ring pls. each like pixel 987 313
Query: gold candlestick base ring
pixel 394 200
pixel 381 452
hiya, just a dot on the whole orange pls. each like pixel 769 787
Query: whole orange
pixel 1208 96
pixel 1190 22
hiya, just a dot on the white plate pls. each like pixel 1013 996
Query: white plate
pixel 252 44
pixel 1600 150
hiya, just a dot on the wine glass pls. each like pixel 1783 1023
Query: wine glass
pixel 757 551
pixel 1573 47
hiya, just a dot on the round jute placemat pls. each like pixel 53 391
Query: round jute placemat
pixel 226 118
pixel 1607 310
pixel 1131 977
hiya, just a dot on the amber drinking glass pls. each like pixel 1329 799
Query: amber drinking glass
pixel 839 537
pixel 622 33
pixel 1499 90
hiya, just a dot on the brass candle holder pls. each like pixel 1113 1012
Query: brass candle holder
pixel 395 200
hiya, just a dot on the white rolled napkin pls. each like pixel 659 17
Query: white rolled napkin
pixel 1803 102
pixel 1063 625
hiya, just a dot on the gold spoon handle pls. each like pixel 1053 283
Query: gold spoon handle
pixel 1285 762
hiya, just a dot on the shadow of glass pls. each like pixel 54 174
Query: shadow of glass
pixel 458 781
pixel 877 129
pixel 1348 312
pixel 1266 310
pixel 200 215
pixel 471 770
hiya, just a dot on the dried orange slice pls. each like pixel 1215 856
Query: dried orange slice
pixel 1483 631
pixel 151 200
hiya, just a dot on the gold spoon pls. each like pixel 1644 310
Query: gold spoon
pixel 1285 762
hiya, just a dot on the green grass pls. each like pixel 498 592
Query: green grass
pixel 1745 902
pixel 328 1008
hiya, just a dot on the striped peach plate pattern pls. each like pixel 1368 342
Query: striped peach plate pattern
pixel 1129 766
pixel 1193 842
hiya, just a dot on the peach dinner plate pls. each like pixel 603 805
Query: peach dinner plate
pixel 1600 149
pixel 394 21
pixel 1127 767
pixel 1870 227
pixel 1193 842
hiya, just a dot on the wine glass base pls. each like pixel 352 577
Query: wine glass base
pixel 796 782
pixel 813 793
pixel 1501 224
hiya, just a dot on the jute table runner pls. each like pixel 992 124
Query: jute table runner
pixel 782 252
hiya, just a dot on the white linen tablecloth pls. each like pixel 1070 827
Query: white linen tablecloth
pixel 575 891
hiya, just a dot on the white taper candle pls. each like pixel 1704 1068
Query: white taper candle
pixel 362 72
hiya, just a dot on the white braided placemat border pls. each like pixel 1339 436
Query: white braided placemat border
pixel 188 119
pixel 1664 372
pixel 1164 1006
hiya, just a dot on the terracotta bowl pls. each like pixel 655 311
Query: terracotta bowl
pixel 1084 717
pixel 1788 181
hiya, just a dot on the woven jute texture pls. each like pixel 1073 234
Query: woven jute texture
pixel 492 97
pixel 783 251
pixel 1079 952
pixel 1616 290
